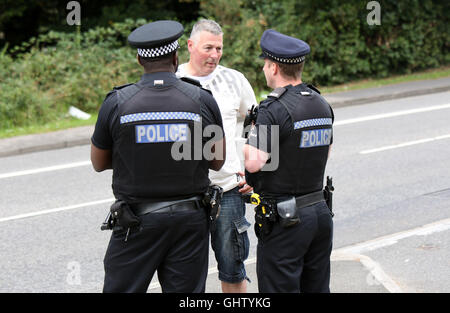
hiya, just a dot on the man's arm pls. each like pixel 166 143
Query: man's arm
pixel 211 117
pixel 101 141
pixel 101 159
pixel 255 159
pixel 220 147
pixel 247 99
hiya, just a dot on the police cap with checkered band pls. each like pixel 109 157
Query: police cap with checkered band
pixel 156 39
pixel 282 48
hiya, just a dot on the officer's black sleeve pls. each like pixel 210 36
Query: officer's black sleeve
pixel 103 137
pixel 272 121
pixel 210 111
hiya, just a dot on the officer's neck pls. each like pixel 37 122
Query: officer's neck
pixel 159 71
pixel 281 82
pixel 155 69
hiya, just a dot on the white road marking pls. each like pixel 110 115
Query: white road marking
pixel 45 169
pixel 405 144
pixel 353 253
pixel 373 267
pixel 391 114
pixel 337 123
pixel 388 240
pixel 66 208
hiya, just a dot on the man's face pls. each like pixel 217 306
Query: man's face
pixel 205 52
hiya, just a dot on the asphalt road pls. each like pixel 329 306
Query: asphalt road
pixel 389 164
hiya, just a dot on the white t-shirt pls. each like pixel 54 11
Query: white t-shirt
pixel 235 96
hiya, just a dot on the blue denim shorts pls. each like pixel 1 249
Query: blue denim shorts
pixel 229 239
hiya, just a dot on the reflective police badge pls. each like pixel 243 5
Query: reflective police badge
pixel 315 137
pixel 156 133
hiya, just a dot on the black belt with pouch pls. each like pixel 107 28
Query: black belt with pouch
pixel 288 209
pixel 126 216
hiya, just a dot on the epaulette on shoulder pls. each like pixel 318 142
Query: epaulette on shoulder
pixel 277 92
pixel 116 88
pixel 207 90
pixel 191 81
pixel 266 102
pixel 313 88
pixel 122 86
pixel 125 92
pixel 271 97
pixel 194 82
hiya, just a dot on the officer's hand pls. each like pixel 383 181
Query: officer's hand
pixel 245 188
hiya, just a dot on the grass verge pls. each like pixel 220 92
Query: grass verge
pixel 68 122
pixel 366 83
pixel 371 83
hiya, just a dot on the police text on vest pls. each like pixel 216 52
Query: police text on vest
pixel 316 138
pixel 161 133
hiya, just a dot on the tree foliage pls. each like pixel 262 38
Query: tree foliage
pixel 413 35
pixel 59 66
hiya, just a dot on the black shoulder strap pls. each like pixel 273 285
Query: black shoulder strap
pixel 273 96
pixel 189 89
pixel 277 92
pixel 195 83
pixel 290 100
pixel 313 88
pixel 287 107
pixel 191 81
pixel 125 92
pixel 122 86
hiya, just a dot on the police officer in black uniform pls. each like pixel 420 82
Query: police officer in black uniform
pixel 146 132
pixel 293 129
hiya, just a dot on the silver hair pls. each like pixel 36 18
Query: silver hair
pixel 206 25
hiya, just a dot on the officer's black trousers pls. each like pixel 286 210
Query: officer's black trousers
pixel 297 259
pixel 174 244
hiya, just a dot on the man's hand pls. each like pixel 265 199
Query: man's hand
pixel 245 188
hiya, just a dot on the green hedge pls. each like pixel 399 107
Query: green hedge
pixel 62 70
pixel 56 70
pixel 413 35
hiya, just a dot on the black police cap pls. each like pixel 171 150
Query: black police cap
pixel 283 48
pixel 156 38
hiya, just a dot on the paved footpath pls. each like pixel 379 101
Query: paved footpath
pixel 81 135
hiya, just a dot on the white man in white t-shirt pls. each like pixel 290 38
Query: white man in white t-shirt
pixel 235 96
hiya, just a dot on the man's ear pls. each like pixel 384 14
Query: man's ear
pixel 190 45
pixel 138 57
pixel 275 68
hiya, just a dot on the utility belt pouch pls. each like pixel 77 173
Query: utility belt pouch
pixel 328 194
pixel 212 201
pixel 123 216
pixel 263 226
pixel 288 213
pixel 265 217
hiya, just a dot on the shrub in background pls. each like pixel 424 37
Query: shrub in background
pixel 57 70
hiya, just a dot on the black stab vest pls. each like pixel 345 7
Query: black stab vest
pixel 151 119
pixel 303 154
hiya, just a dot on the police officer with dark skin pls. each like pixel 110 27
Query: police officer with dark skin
pixel 293 124
pixel 137 132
